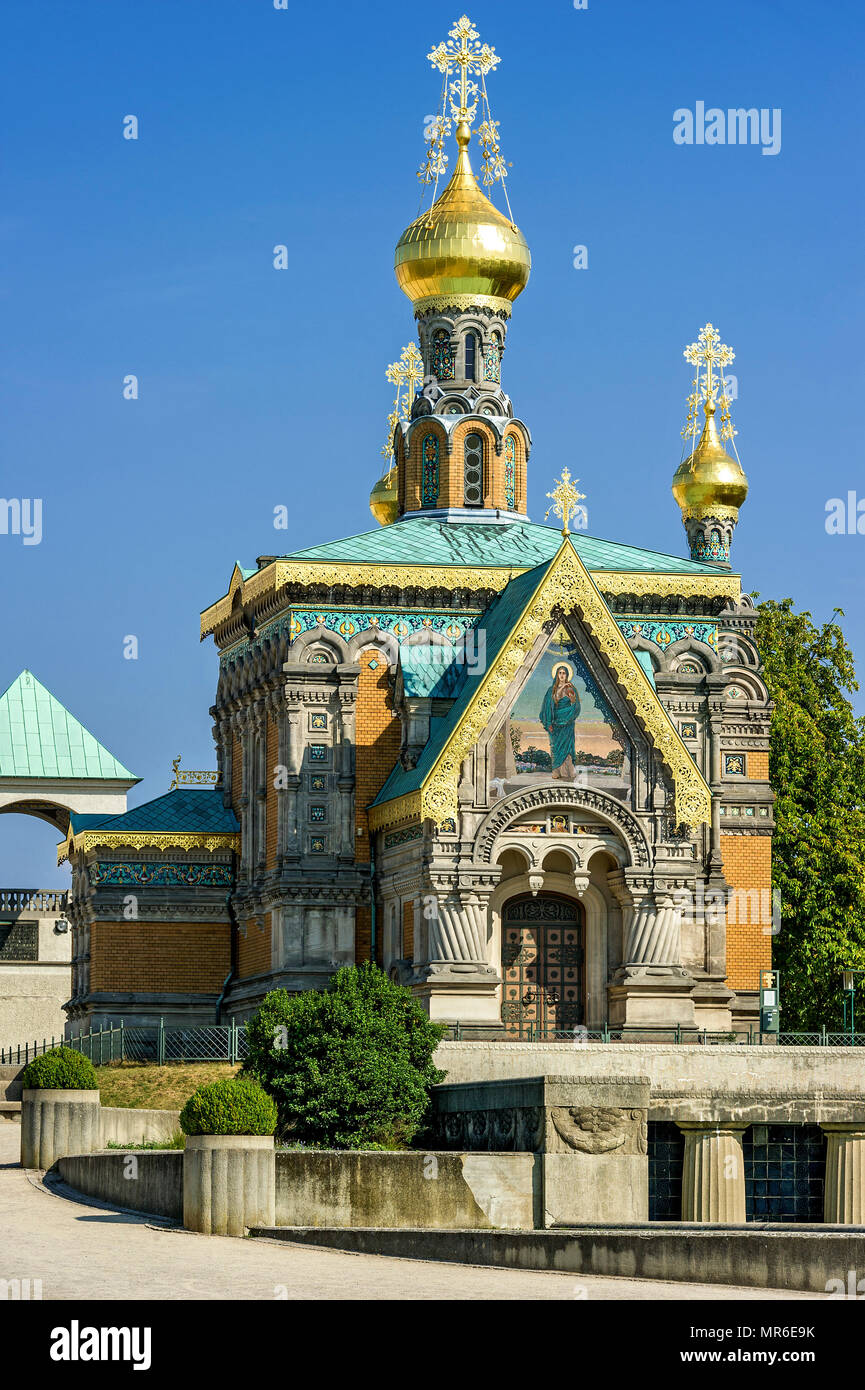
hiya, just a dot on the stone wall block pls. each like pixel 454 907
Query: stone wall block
pixel 55 1123
pixel 229 1183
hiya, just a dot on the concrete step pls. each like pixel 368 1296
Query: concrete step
pixel 10 1081
pixel 10 1110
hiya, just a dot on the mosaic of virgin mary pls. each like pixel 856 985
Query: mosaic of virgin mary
pixel 560 728
pixel 558 714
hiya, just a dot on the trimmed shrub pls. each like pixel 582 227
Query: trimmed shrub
pixel 237 1105
pixel 349 1067
pixel 61 1069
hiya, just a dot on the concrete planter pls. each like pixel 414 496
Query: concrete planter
pixel 55 1123
pixel 229 1183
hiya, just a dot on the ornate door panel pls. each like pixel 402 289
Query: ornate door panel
pixel 542 966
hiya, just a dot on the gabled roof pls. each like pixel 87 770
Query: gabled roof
pixel 519 544
pixel 184 817
pixel 40 738
pixel 512 624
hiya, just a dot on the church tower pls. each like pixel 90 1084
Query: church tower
pixel 462 453
pixel 710 485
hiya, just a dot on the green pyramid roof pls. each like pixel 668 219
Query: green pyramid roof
pixel 40 738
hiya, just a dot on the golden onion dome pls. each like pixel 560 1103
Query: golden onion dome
pixel 709 482
pixel 463 251
pixel 384 498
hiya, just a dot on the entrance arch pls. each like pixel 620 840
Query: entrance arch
pixel 543 960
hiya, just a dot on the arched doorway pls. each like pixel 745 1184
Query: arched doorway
pixel 543 953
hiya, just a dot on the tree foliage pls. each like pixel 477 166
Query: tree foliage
pixel 349 1067
pixel 817 770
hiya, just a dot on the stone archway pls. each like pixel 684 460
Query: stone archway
pixel 543 958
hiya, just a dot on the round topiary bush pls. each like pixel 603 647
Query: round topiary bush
pixel 349 1067
pixel 237 1105
pixel 61 1069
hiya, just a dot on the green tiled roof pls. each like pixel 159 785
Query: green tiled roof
pixel 184 809
pixel 499 621
pixel 521 544
pixel 39 738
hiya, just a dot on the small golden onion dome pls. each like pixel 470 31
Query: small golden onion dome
pixel 709 482
pixel 462 251
pixel 384 498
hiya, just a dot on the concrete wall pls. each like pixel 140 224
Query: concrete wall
pixel 776 1257
pixel 123 1126
pixel 785 1085
pixel 425 1190
pixel 32 993
pixel 147 1181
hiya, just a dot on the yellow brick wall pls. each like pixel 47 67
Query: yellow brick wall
pixel 270 804
pixel 758 767
pixel 363 933
pixel 149 957
pixel 747 865
pixel 408 930
pixel 253 949
pixel 377 740
pixel 451 474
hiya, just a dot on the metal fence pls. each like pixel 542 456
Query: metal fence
pixel 744 1037
pixel 125 1042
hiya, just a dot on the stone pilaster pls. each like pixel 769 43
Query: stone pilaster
pixel 844 1193
pixel 713 1177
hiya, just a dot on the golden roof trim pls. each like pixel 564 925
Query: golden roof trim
pixel 566 585
pixel 361 574
pixel 147 839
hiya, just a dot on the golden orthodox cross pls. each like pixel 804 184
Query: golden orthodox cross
pixel 566 500
pixel 464 52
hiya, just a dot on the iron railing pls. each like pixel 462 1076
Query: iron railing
pixel 743 1037
pixel 123 1042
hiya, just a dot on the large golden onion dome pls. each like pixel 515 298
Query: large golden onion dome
pixel 710 482
pixel 462 251
pixel 384 498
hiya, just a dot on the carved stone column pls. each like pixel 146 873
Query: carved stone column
pixel 651 987
pixel 260 717
pixel 844 1192
pixel 713 1176
pixel 293 761
pixel 345 781
pixel 456 982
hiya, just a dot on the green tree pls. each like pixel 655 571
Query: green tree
pixel 349 1067
pixel 817 769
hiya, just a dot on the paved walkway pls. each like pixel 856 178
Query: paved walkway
pixel 81 1251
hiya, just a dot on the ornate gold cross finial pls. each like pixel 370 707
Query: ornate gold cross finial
pixel 566 500
pixel 464 52
pixel 406 374
pixel 707 354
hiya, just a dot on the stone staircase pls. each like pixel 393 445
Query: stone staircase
pixel 10 1091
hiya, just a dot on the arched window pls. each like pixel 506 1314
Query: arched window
pixel 430 471
pixel 511 473
pixel 474 471
pixel 471 356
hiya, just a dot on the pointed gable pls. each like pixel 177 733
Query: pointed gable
pixel 40 738
pixel 512 624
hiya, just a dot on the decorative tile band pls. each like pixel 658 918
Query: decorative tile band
pixel 402 837
pixel 401 623
pixel 160 875
pixel 664 633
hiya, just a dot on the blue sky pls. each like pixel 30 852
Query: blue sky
pixel 261 387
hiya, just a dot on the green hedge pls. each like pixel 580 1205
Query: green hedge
pixel 61 1069
pixel 349 1067
pixel 237 1105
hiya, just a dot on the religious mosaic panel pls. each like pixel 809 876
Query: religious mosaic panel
pixel 560 729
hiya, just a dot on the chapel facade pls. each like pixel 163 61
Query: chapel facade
pixel 524 769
